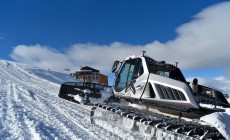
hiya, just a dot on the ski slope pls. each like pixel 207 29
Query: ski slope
pixel 31 109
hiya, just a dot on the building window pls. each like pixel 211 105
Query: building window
pixel 89 78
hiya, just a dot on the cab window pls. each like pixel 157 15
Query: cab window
pixel 130 70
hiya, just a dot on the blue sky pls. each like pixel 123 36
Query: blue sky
pixel 57 34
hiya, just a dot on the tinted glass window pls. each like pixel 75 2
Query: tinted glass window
pixel 164 70
pixel 129 71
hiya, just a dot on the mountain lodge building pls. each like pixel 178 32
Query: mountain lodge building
pixel 88 74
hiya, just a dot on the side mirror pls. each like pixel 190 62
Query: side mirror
pixel 115 65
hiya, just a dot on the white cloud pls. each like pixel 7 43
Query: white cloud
pixel 98 56
pixel 205 40
pixel 202 42
pixel 41 56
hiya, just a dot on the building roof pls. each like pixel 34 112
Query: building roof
pixel 103 75
pixel 89 68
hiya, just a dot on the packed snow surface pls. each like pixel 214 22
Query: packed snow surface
pixel 219 120
pixel 31 109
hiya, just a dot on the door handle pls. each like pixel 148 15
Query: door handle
pixel 139 87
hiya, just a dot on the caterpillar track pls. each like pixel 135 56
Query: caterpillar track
pixel 149 125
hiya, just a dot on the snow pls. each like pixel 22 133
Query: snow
pixel 31 109
pixel 219 120
pixel 105 94
pixel 131 57
pixel 79 99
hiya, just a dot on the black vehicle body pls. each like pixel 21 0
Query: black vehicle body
pixel 69 89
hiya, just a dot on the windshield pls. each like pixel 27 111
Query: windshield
pixel 165 70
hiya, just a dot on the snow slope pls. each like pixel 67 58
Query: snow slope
pixel 31 109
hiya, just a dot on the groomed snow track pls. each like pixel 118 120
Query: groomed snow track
pixel 31 109
pixel 149 125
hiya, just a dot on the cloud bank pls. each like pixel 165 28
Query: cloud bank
pixel 201 43
pixel 41 56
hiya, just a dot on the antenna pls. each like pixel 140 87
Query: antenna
pixel 67 70
pixel 176 63
pixel 143 53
